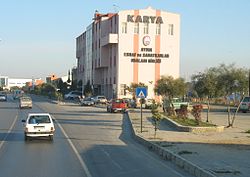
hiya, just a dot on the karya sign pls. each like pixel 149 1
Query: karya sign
pixel 144 19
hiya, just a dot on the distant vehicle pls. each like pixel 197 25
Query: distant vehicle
pixel 100 99
pixel 73 95
pixel 89 101
pixel 17 94
pixel 148 103
pixel 25 102
pixel 38 125
pixel 177 102
pixel 3 96
pixel 245 104
pixel 116 105
pixel 130 102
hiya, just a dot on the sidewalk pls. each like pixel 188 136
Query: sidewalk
pixel 224 154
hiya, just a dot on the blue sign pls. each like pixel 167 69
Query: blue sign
pixel 141 92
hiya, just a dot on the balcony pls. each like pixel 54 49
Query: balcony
pixel 109 39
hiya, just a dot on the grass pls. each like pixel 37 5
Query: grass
pixel 191 122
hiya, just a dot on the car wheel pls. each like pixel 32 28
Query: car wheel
pixel 26 138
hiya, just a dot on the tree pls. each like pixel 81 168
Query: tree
pixel 68 81
pixel 48 89
pixel 223 80
pixel 232 80
pixel 156 116
pixel 88 91
pixel 168 87
pixel 205 84
pixel 62 86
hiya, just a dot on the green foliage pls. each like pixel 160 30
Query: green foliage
pixel 15 88
pixel 1 88
pixel 88 91
pixel 221 81
pixel 190 122
pixel 156 115
pixel 62 86
pixel 168 87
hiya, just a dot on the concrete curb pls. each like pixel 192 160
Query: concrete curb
pixel 194 129
pixel 168 155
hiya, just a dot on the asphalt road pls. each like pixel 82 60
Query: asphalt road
pixel 38 157
pixel 88 142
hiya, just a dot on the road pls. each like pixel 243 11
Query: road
pixel 89 142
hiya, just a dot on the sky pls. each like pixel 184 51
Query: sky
pixel 37 37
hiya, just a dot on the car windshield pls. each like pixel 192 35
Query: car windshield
pixel 87 99
pixel 246 99
pixel 25 99
pixel 38 119
pixel 118 101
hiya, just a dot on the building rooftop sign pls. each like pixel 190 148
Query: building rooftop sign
pixel 144 19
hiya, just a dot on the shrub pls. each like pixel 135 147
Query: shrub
pixel 196 112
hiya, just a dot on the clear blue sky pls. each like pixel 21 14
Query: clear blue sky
pixel 38 37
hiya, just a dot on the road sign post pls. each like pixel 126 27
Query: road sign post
pixel 141 92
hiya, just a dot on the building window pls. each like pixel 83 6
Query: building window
pixel 136 28
pixel 145 29
pixel 114 80
pixel 158 29
pixel 124 27
pixel 171 29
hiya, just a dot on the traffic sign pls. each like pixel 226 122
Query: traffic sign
pixel 141 92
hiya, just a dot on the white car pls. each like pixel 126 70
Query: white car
pixel 100 99
pixel 38 125
pixel 245 104
pixel 25 102
pixel 73 95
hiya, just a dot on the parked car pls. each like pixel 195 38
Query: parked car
pixel 25 102
pixel 73 95
pixel 116 105
pixel 38 125
pixel 3 96
pixel 177 102
pixel 17 94
pixel 89 101
pixel 130 102
pixel 148 103
pixel 245 104
pixel 100 99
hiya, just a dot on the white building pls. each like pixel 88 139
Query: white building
pixel 130 46
pixel 7 82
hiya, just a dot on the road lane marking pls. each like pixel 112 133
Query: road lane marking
pixel 84 166
pixel 10 129
pixel 110 158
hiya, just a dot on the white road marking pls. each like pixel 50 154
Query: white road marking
pixel 10 129
pixel 114 162
pixel 84 166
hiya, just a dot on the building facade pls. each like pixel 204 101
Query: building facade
pixel 131 46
